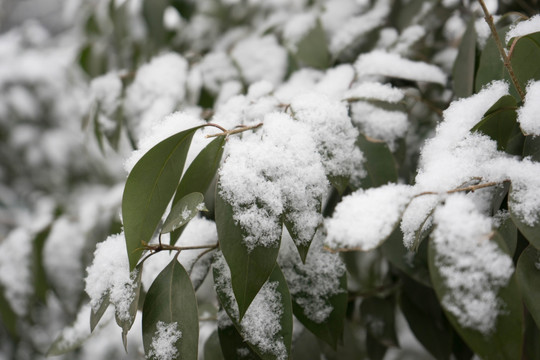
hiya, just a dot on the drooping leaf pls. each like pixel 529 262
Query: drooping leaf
pixel 153 11
pixel 531 345
pixel 499 121
pixel 531 147
pixel 465 64
pixel 95 316
pixel 126 324
pixel 374 348
pixel 8 318
pixel 171 301
pixel 233 346
pixel 532 233
pixel 380 164
pixel 505 339
pixel 378 316
pixel 509 233
pixel 39 275
pixel 249 268
pixel 212 347
pixel 183 211
pixel 306 347
pixel 525 59
pixel 199 174
pixel 186 8
pixel 312 50
pixel 149 188
pixel 528 278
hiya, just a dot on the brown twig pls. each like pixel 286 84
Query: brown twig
pixel 466 188
pixel 234 131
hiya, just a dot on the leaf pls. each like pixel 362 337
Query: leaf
pixel 171 299
pixel 185 209
pixel 380 164
pixel 504 342
pixel 508 232
pixel 499 121
pixel 233 346
pixel 305 347
pixel 95 316
pixel 532 233
pixel 531 147
pixel 186 8
pixel 72 336
pixel 378 316
pixel 39 275
pixel 152 12
pixel 199 174
pixel 8 318
pixel 249 269
pixel 149 188
pixel 525 59
pixel 528 278
pixel 126 324
pixel 212 348
pixel 465 64
pixel 531 345
pixel 312 50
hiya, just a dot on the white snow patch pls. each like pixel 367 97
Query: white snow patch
pixel 163 345
pixel 523 28
pixel 375 91
pixel 529 113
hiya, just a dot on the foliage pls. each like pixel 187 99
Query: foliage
pixel 294 188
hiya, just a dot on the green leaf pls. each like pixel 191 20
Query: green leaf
pixel 312 50
pixel 528 278
pixel 95 316
pixel 8 318
pixel 525 59
pixel 499 121
pixel 508 232
pixel 212 348
pixel 149 188
pixel 378 316
pixel 305 347
pixel 380 164
pixel 465 64
pixel 532 233
pixel 186 8
pixel 504 342
pixel 233 346
pixel 284 333
pixel 199 174
pixel 490 66
pixel 302 247
pixel 249 269
pixel 185 209
pixel 171 299
pixel 531 345
pixel 375 349
pixel 531 147
pixel 153 11
pixel 126 324
pixel 340 183
pixel 39 275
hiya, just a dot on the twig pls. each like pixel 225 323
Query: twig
pixel 506 60
pixel 160 247
pixel 467 188
pixel 234 131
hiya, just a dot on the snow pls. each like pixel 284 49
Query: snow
pixel 379 62
pixel 271 171
pixel 529 113
pixel 216 69
pixel 15 271
pixel 408 38
pixel 260 59
pixel 472 266
pixel 336 81
pixel 107 90
pixel 77 332
pixel 375 91
pixel 109 274
pixel 260 325
pixel 523 28
pixel 314 283
pixel 378 123
pixel 163 345
pixel 364 219
pixel 298 27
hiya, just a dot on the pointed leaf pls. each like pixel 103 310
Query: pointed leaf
pixel 8 318
pixel 380 164
pixel 528 278
pixel 40 278
pixel 95 316
pixel 465 64
pixel 199 174
pixel 249 269
pixel 525 59
pixel 233 346
pixel 312 50
pixel 149 189
pixel 185 209
pixel 499 121
pixel 531 147
pixel 126 324
pixel 378 315
pixel 212 347
pixel 532 233
pixel 171 303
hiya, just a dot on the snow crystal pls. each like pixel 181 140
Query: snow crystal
pixel 163 345
pixel 365 218
pixel 109 274
pixel 15 272
pixel 392 65
pixel 529 113
pixel 311 284
pixel 270 171
pixel 472 266
pixel 261 59
pixel 523 28
pixel 261 322
pixel 375 91
pixel 332 130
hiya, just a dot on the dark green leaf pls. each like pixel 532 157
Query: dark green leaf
pixel 528 278
pixel 153 11
pixel 126 324
pixel 149 189
pixel 312 50
pixel 39 275
pixel 8 318
pixel 531 147
pixel 532 233
pixel 183 211
pixel 233 346
pixel 249 269
pixel 350 349
pixel 380 164
pixel 95 316
pixel 509 233
pixel 339 182
pixel 375 349
pixel 199 174
pixel 465 64
pixel 186 8
pixel 525 59
pixel 212 348
pixel 531 345
pixel 378 316
pixel 171 299
pixel 499 121
pixel 305 347
pixel 303 248
pixel 504 342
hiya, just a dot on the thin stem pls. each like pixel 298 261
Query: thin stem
pixel 160 247
pixel 233 131
pixel 506 59
pixel 466 188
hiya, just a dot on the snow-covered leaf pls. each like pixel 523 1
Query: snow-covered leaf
pixel 183 211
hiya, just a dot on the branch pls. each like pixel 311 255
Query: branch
pixel 506 59
pixel 466 188
pixel 161 247
pixel 233 131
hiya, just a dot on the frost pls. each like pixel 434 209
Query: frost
pixel 529 113
pixel 109 274
pixel 523 28
pixel 276 170
pixel 15 272
pixel 392 65
pixel 312 284
pixel 260 325
pixel 364 219
pixel 163 345
pixel 471 265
